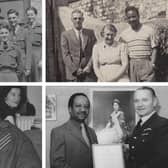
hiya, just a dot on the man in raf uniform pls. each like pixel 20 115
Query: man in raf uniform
pixel 16 150
pixel 149 141
pixel 22 39
pixel 10 58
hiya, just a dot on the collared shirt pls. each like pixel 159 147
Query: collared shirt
pixel 77 32
pixel 11 56
pixel 35 32
pixel 76 124
pixel 145 118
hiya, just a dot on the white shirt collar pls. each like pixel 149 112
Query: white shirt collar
pixel 145 118
pixel 77 32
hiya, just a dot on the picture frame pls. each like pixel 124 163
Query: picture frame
pixel 51 111
pixel 101 100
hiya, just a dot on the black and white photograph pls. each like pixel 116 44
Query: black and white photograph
pixel 130 123
pixel 51 107
pixel 106 40
pixel 21 126
pixel 20 41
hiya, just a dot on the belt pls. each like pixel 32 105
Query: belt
pixel 7 69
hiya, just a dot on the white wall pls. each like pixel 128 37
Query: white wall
pixel 34 94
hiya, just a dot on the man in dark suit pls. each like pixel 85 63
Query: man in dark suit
pixel 149 141
pixel 71 143
pixel 77 45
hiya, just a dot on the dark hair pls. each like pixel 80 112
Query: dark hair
pixel 71 99
pixel 110 27
pixel 4 90
pixel 148 88
pixel 11 11
pixel 33 9
pixel 131 8
pixel 116 101
pixel 4 26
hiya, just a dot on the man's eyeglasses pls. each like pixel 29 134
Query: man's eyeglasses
pixel 77 18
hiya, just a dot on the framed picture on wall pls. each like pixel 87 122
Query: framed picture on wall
pixel 51 113
pixel 103 108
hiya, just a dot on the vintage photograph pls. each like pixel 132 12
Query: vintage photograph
pixel 20 41
pixel 106 40
pixel 51 108
pixel 117 103
pixel 21 126
pixel 127 122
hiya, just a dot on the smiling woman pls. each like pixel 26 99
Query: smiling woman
pixel 12 97
pixel 110 60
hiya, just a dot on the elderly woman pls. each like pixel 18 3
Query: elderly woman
pixel 110 58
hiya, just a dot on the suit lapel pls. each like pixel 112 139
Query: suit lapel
pixel 90 135
pixel 76 40
pixel 76 132
pixel 74 37
pixel 149 122
pixel 85 38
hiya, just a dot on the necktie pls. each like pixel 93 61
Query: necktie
pixel 84 134
pixel 5 45
pixel 80 44
pixel 138 126
pixel 14 31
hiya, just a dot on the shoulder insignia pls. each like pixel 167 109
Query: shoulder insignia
pixel 5 140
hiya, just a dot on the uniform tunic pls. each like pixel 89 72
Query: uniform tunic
pixel 10 63
pixel 22 39
pixel 149 144
pixel 35 32
pixel 16 150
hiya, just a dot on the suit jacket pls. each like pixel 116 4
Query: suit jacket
pixel 71 51
pixel 149 144
pixel 68 148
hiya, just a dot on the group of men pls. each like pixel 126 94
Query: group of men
pixel 20 37
pixel 71 143
pixel 78 42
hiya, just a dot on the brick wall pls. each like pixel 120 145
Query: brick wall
pixel 113 10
